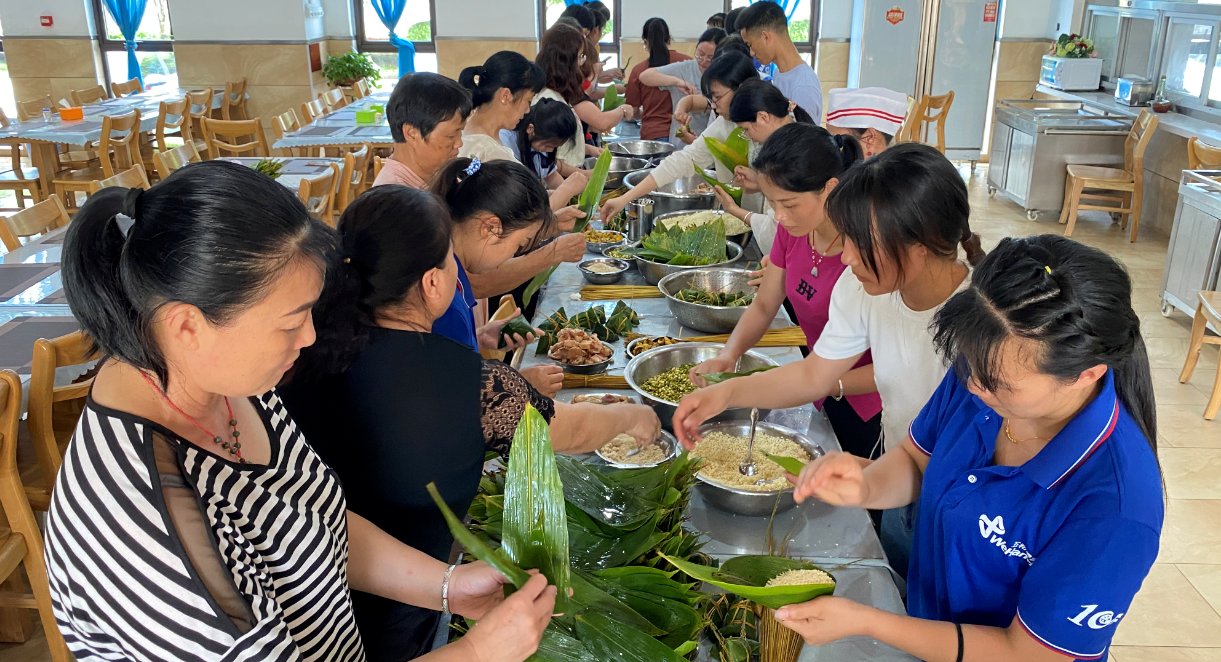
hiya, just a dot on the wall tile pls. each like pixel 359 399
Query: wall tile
pixel 1015 89
pixel 267 101
pixel 454 55
pixel 1020 60
pixel 833 60
pixel 61 88
pixel 260 64
pixel 26 89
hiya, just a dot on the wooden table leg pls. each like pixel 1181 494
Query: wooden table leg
pixel 45 159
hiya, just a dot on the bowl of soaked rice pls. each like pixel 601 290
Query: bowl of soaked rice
pixel 616 452
pixel 723 447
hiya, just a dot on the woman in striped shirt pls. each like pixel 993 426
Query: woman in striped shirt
pixel 191 520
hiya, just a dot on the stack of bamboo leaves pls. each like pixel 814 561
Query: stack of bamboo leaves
pixel 608 328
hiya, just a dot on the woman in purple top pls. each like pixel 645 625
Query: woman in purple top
pixel 797 169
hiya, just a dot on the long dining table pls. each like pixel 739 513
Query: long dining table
pixel 340 128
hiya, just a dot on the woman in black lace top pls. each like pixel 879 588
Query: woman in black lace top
pixel 391 406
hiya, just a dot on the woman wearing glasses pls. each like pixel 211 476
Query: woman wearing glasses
pixel 682 79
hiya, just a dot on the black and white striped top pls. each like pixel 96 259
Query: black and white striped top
pixel 122 585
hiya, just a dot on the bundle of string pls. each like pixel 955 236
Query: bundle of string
pixel 777 643
pixel 611 292
pixel 595 381
pixel 790 336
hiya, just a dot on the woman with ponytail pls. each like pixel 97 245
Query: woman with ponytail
pixel 656 107
pixel 799 166
pixel 902 215
pixel 1034 464
pixel 191 520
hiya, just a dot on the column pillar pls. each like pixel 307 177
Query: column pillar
pixel 50 60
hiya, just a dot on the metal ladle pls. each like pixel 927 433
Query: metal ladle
pixel 748 467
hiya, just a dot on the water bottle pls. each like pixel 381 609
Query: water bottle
pixel 46 115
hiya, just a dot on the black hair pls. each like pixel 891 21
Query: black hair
pixel 1072 300
pixel 505 69
pixel 214 235
pixel 657 36
pixel 731 20
pixel 763 16
pixel 860 133
pixel 908 195
pixel 383 259
pixel 714 35
pixel 507 190
pixel 733 44
pixel 583 15
pixel 731 70
pixel 755 96
pixel 551 119
pixel 601 12
pixel 424 100
pixel 717 20
pixel 569 21
pixel 803 157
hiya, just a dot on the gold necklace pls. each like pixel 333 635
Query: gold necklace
pixel 1018 441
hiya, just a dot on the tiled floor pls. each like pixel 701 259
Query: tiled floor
pixel 1177 615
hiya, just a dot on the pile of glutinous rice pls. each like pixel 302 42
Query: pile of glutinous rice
pixel 723 454
pixel 617 449
pixel 800 578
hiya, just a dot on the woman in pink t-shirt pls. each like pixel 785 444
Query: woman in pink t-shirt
pixel 797 169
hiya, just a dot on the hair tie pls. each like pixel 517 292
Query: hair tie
pixel 1048 269
pixel 474 167
pixel 792 106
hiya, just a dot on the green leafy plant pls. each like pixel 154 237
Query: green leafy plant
pixel 1073 46
pixel 269 167
pixel 718 377
pixel 345 69
pixel 702 244
pixel 421 31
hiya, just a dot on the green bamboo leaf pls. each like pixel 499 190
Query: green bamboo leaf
pixel 475 546
pixel 738 142
pixel 588 202
pixel 535 284
pixel 734 192
pixel 751 574
pixel 559 646
pixel 601 499
pixel 675 618
pixel 535 530
pixel 609 640
pixel 718 377
pixel 589 598
pixel 728 156
pixel 612 100
pixel 789 464
pixel 687 647
pixel 517 325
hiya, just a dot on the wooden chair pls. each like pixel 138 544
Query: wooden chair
pixel 1208 311
pixel 89 96
pixel 286 122
pixel 334 100
pixel 1128 181
pixel 136 177
pixel 54 410
pixel 201 107
pixel 180 128
pixel 909 118
pixel 312 110
pixel 378 164
pixel 28 110
pixel 318 194
pixel 355 176
pixel 216 132
pixel 115 152
pixel 128 87
pixel 170 160
pixel 38 219
pixel 69 159
pixel 234 105
pixel 506 308
pixel 21 541
pixel 360 89
pixel 21 177
pixel 915 124
pixel 1202 155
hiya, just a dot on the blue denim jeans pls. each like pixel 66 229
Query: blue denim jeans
pixel 898 527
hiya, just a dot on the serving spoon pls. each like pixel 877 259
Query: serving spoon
pixel 748 467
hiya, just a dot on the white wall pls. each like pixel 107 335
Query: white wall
pixel 1026 19
pixel 73 18
pixel 836 19
pixel 687 18
pixel 217 20
pixel 509 19
pixel 1067 14
pixel 338 19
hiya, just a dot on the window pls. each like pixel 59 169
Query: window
pixel 549 12
pixel 1104 30
pixel 1190 47
pixel 373 37
pixel 155 48
pixel 7 101
pixel 803 23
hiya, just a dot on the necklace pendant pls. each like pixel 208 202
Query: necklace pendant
pixel 814 271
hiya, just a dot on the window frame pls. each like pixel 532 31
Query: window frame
pixel 810 46
pixel 365 45
pixel 1210 62
pixel 105 43
pixel 613 46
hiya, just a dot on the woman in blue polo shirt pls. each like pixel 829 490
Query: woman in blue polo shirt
pixel 1035 465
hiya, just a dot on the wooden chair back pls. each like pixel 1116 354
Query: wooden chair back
pixel 172 159
pixel 13 148
pixel 166 126
pixel 285 122
pixel 119 148
pixel 318 194
pixel 334 99
pixel 28 110
pixel 378 163
pixel 1199 155
pixel 234 105
pixel 21 542
pixel 909 120
pixel 201 107
pixel 311 110
pixel 360 89
pixel 355 176
pixel 925 115
pixel 91 95
pixel 127 87
pixel 135 177
pixel 38 219
pixel 222 136
pixel 1137 141
pixel 505 309
pixel 53 410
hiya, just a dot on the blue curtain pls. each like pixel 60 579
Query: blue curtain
pixel 127 14
pixel 390 11
pixel 569 3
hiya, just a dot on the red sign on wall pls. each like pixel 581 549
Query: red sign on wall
pixel 895 15
pixel 990 12
pixel 46 21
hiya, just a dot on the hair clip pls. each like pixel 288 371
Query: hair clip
pixel 1048 269
pixel 347 260
pixel 792 106
pixel 124 223
pixel 474 167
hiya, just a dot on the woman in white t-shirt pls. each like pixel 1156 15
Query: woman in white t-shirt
pixel 903 215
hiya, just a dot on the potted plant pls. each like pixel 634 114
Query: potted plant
pixel 344 70
pixel 1072 64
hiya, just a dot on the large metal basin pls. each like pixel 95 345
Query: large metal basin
pixel 653 150
pixel 746 502
pixel 680 195
pixel 621 166
pixel 661 359
pixel 739 239
pixel 654 272
pixel 709 319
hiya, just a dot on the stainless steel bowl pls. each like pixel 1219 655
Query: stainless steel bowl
pixel 621 166
pixel 597 278
pixel 631 351
pixel 653 150
pixel 665 440
pixel 679 195
pixel 591 369
pixel 596 247
pixel 657 361
pixel 701 317
pixel 739 239
pixel 654 272
pixel 631 261
pixel 632 401
pixel 747 502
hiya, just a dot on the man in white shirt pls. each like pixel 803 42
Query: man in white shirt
pixel 765 28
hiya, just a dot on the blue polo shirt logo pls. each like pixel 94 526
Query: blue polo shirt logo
pixel 987 527
pixel 1095 620
pixel 992 530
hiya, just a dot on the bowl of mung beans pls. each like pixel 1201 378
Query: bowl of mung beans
pixel 660 377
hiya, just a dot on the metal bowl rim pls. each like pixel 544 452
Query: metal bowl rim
pixel 799 438
pixel 631 168
pixel 688 272
pixel 617 261
pixel 674 452
pixel 664 194
pixel 631 364
pixel 594 368
pixel 627 349
pixel 672 148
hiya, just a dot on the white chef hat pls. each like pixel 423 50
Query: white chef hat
pixel 867 107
